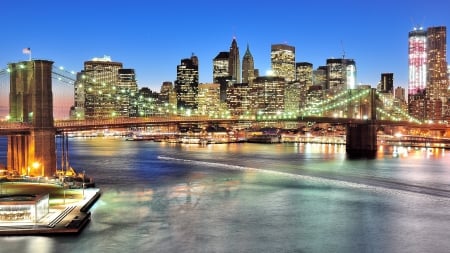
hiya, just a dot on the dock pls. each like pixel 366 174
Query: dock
pixel 70 220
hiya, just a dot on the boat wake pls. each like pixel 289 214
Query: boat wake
pixel 369 183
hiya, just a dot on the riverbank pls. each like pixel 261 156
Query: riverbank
pixel 68 212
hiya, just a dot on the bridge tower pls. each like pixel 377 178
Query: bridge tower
pixel 362 137
pixel 31 102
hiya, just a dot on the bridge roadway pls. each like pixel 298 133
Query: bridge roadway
pixel 18 128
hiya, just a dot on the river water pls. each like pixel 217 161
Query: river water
pixel 247 197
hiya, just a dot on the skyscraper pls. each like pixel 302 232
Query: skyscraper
pixel 283 61
pixel 437 80
pixel 341 74
pixel 127 91
pixel 99 80
pixel 234 62
pixel 186 85
pixel 417 55
pixel 221 74
pixel 387 83
pixel 248 67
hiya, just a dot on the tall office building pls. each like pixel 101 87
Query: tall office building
pixel 248 67
pixel 386 83
pixel 220 67
pixel 341 74
pixel 186 85
pixel 437 80
pixel 234 63
pixel 99 79
pixel 417 63
pixel 221 74
pixel 283 61
pixel 127 91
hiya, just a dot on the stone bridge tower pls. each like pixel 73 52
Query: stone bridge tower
pixel 31 102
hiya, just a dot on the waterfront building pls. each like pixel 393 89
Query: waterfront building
pixel 186 85
pixel 283 61
pixel 341 75
pixel 99 79
pixel 248 67
pixel 234 62
pixel 437 80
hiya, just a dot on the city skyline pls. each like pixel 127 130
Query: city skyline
pixel 153 38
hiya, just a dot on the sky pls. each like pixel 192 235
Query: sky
pixel 153 36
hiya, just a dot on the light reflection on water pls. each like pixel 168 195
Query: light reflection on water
pixel 161 197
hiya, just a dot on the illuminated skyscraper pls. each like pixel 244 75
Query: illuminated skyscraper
pixel 221 74
pixel 341 74
pixel 283 61
pixel 186 85
pixel 127 91
pixel 234 63
pixel 99 80
pixel 417 54
pixel 248 67
pixel 437 80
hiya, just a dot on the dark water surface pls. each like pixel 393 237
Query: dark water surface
pixel 248 197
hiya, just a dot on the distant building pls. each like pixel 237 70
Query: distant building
pixel 437 80
pixel 417 55
pixel 320 77
pixel 240 100
pixel 341 75
pixel 186 85
pixel 221 74
pixel 386 83
pixel 283 61
pixel 428 97
pixel 248 67
pixel 99 79
pixel 234 63
pixel 208 98
pixel 126 93
pixel 269 95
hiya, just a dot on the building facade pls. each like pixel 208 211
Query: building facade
pixel 99 79
pixel 437 80
pixel 186 85
pixel 283 61
pixel 341 75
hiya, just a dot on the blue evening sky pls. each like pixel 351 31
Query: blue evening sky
pixel 153 36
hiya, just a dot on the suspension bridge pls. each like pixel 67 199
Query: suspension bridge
pixel 39 90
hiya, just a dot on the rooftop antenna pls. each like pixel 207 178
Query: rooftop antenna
pixel 343 50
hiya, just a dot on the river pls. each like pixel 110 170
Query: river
pixel 247 197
